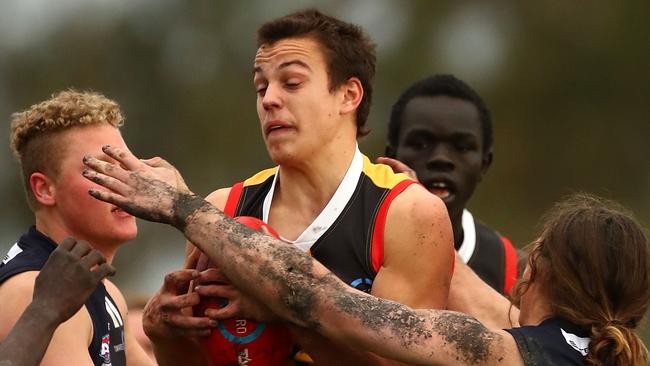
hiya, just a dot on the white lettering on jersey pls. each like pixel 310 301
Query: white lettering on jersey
pixel 580 344
pixel 14 251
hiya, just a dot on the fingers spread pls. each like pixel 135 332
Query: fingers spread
pixel 179 281
pixel 189 325
pixel 212 275
pixel 110 197
pixel 105 167
pixel 218 290
pixel 125 157
pixel 151 162
pixel 227 312
pixel 106 181
pixel 175 303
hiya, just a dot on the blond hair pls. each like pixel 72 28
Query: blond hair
pixel 34 130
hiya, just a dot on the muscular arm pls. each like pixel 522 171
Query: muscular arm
pixel 470 295
pixel 295 286
pixel 301 290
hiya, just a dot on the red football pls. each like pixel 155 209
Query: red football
pixel 244 341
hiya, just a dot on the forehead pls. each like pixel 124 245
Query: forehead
pixel 442 114
pixel 89 139
pixel 304 49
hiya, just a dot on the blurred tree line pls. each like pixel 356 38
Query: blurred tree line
pixel 567 83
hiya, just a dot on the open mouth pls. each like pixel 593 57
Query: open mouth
pixel 275 127
pixel 440 189
pixel 118 211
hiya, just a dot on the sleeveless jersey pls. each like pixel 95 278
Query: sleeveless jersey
pixel 352 245
pixel 490 255
pixel 554 342
pixel 107 346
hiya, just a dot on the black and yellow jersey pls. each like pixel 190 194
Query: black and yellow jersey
pixel 348 236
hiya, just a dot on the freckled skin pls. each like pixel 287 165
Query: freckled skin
pixel 295 286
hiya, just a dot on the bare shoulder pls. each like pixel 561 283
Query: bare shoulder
pixel 418 251
pixel 419 220
pixel 70 340
pixel 15 294
pixel 219 197
pixel 417 204
pixel 117 296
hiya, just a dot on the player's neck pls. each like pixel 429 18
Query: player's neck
pixel 536 308
pixel 54 228
pixel 312 183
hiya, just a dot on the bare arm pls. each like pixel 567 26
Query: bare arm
pixel 296 286
pixel 470 295
pixel 61 288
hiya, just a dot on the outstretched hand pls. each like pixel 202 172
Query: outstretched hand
pixel 69 276
pixel 149 189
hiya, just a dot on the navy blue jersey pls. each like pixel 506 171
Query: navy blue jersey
pixel 554 342
pixel 107 345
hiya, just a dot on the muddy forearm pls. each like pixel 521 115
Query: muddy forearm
pixel 302 291
pixel 35 328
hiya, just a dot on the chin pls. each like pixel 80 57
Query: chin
pixel 125 233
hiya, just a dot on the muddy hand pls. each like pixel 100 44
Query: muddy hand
pixel 152 190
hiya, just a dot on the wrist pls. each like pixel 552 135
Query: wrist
pixel 43 315
pixel 186 205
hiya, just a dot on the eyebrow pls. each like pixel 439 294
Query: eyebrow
pixel 284 65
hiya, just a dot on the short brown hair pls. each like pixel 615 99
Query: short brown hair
pixel 33 130
pixel 593 261
pixel 348 50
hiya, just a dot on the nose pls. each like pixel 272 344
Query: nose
pixel 272 98
pixel 440 159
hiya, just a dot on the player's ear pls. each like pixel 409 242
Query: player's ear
pixel 43 188
pixel 486 161
pixel 352 92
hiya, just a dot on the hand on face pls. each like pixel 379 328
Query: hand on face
pixel 149 189
pixel 69 276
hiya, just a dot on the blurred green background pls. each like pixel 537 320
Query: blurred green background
pixel 568 85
